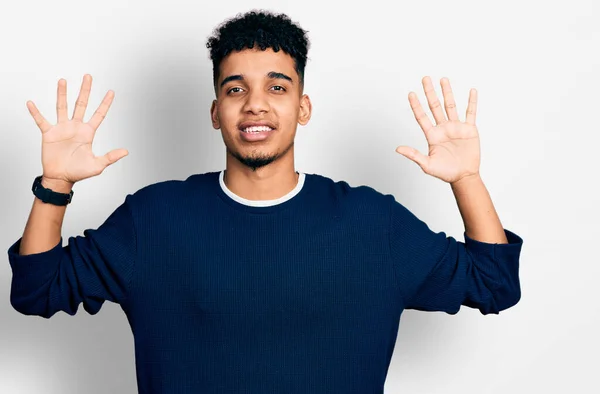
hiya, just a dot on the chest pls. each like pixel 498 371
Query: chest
pixel 310 269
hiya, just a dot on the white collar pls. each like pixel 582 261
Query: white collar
pixel 263 203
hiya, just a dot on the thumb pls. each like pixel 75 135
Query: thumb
pixel 111 157
pixel 414 155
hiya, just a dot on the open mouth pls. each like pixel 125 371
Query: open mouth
pixel 256 129
pixel 256 133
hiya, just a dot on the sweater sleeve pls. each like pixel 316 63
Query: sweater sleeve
pixel 439 273
pixel 90 269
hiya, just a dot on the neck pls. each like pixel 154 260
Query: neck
pixel 263 184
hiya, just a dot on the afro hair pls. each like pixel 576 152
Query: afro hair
pixel 263 29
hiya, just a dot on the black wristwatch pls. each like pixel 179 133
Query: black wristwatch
pixel 49 196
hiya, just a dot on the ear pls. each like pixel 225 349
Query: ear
pixel 305 110
pixel 214 116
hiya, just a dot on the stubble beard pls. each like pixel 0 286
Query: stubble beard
pixel 258 159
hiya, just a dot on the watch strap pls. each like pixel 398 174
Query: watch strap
pixel 48 195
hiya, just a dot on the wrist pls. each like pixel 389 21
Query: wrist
pixel 57 185
pixel 465 181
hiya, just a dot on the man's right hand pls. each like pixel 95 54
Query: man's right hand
pixel 67 155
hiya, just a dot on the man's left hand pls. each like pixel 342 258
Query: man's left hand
pixel 454 152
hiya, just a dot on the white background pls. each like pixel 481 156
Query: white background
pixel 535 64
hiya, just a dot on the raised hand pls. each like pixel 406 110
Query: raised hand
pixel 67 146
pixel 454 152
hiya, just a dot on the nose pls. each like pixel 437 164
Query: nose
pixel 256 102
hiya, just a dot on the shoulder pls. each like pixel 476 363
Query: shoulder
pixel 354 196
pixel 172 190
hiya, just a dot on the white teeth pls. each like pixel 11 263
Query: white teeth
pixel 257 129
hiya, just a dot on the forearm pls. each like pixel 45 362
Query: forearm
pixel 477 210
pixel 43 229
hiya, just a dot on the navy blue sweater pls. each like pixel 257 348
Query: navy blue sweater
pixel 297 295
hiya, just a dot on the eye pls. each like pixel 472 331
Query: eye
pixel 230 90
pixel 281 88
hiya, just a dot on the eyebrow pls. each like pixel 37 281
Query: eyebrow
pixel 270 75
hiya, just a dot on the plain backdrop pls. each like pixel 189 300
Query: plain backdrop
pixel 535 65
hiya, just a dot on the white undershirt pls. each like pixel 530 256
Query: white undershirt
pixel 262 203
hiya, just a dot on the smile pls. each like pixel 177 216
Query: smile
pixel 256 133
pixel 256 129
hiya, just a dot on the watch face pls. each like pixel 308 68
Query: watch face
pixel 36 183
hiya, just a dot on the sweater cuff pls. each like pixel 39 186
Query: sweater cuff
pixel 32 264
pixel 511 250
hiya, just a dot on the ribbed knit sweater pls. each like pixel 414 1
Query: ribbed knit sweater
pixel 302 294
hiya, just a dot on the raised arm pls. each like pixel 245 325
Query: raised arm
pixel 437 272
pixel 46 277
pixel 66 158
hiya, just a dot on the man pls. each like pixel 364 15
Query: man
pixel 260 278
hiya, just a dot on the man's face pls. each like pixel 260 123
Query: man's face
pixel 259 87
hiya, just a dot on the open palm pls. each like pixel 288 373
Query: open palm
pixel 454 151
pixel 67 146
